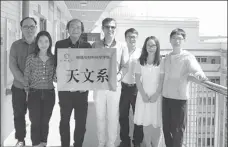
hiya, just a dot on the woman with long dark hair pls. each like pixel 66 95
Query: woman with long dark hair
pixel 149 76
pixel 39 75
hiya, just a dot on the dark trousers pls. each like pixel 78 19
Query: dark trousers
pixel 40 105
pixel 67 102
pixel 127 98
pixel 19 110
pixel 174 116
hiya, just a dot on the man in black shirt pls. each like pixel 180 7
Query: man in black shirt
pixel 69 100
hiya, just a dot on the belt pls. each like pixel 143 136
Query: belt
pixel 128 85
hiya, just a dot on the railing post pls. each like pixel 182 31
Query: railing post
pixel 224 121
pixel 217 126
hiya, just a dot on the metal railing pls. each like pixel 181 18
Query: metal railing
pixel 207 115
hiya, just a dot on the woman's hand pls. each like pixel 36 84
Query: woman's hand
pixel 154 97
pixel 145 98
pixel 55 78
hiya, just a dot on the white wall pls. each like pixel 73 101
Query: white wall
pixel 10 31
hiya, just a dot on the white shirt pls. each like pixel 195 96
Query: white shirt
pixel 129 78
pixel 177 69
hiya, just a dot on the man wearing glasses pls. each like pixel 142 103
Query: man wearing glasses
pixel 69 100
pixel 19 51
pixel 129 93
pixel 106 101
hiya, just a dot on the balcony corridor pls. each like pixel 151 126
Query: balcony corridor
pixel 193 136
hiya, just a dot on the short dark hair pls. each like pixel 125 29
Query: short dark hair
pixel 21 23
pixel 107 20
pixel 82 25
pixel 37 49
pixel 131 30
pixel 178 31
pixel 144 53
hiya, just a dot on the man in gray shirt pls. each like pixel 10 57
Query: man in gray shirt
pixel 19 51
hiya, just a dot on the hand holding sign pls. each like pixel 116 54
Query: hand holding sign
pixel 86 69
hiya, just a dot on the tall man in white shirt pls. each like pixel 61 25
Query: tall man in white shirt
pixel 106 101
pixel 129 93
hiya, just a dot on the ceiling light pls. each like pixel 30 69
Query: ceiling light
pixel 83 3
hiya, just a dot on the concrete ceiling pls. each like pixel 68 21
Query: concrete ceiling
pixel 90 12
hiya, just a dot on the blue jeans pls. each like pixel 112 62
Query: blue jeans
pixel 40 105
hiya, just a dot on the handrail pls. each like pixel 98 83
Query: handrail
pixel 210 85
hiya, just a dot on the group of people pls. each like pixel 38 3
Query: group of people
pixel 156 88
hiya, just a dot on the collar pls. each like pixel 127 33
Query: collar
pixel 25 41
pixel 113 43
pixel 76 45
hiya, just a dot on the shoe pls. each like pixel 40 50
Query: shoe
pixel 123 144
pixel 137 145
pixel 44 144
pixel 101 145
pixel 20 144
pixel 39 145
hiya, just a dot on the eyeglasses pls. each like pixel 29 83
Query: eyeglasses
pixel 152 46
pixel 177 38
pixel 29 27
pixel 112 27
pixel 132 37
pixel 75 27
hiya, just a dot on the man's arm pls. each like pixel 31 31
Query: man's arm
pixel 55 55
pixel 158 92
pixel 27 73
pixel 124 64
pixel 13 65
pixel 195 69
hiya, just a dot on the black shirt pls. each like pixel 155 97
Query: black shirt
pixel 66 43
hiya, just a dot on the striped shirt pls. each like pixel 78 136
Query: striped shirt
pixel 39 74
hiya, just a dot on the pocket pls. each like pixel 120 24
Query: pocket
pixel 32 90
pixel 51 90
pixel 51 93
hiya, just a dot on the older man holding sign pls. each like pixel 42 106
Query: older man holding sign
pixel 70 99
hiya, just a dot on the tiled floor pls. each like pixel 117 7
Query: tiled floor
pixel 54 137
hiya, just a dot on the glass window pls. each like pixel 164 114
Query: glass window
pixel 203 141
pixel 208 121
pixel 203 60
pixel 199 121
pixel 204 121
pixel 213 61
pixel 199 141
pixel 208 141
pixel 209 101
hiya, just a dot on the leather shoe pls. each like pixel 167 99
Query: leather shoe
pixel 123 144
